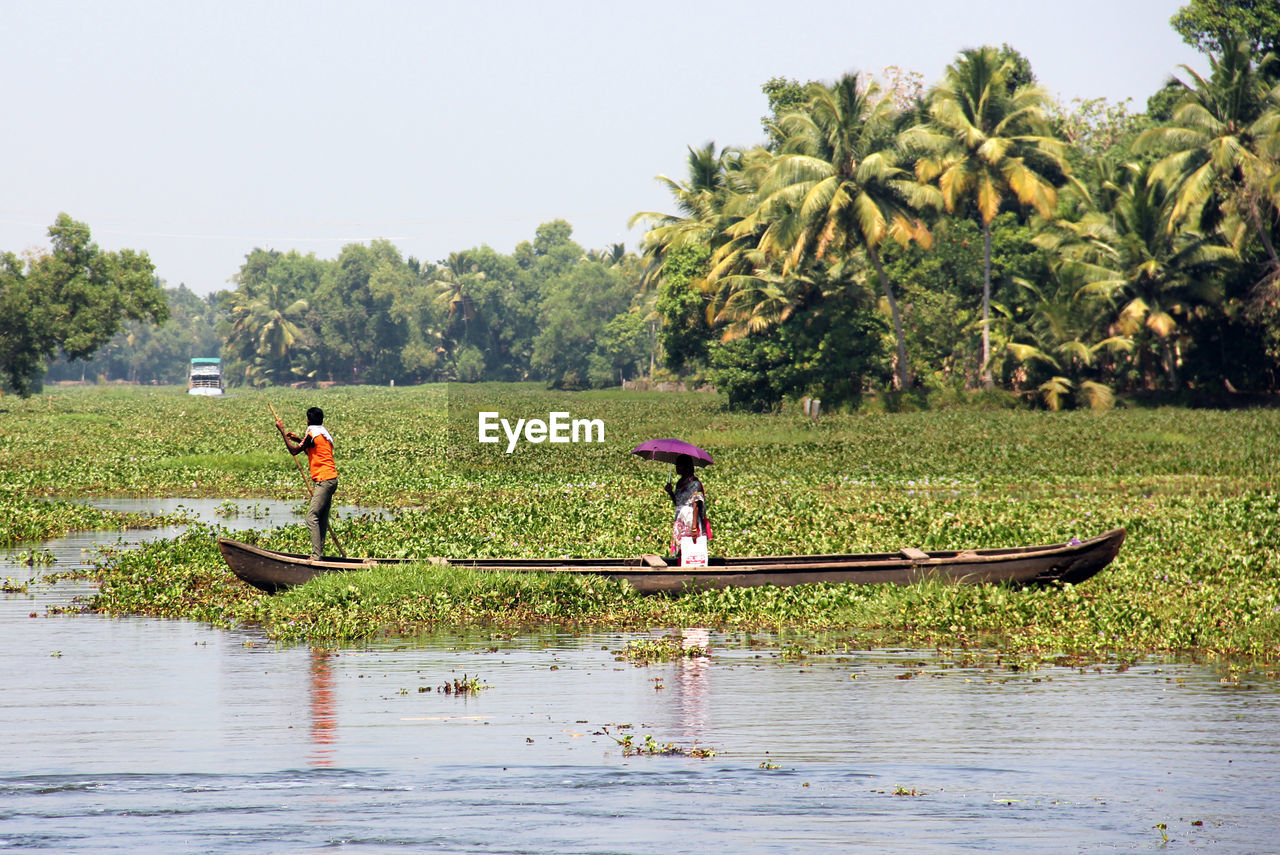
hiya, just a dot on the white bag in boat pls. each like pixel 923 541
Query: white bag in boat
pixel 693 553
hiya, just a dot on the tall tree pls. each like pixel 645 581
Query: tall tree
pixel 835 190
pixel 574 318
pixel 677 247
pixel 1060 327
pixel 1213 26
pixel 1157 277
pixel 985 146
pixel 455 280
pixel 701 201
pixel 785 96
pixel 938 287
pixel 1222 150
pixel 268 324
pixel 361 337
pixel 72 300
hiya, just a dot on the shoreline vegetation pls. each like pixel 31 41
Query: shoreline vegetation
pixel 1196 489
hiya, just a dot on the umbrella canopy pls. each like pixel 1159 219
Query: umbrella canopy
pixel 667 450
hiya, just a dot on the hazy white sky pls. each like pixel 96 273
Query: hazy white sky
pixel 198 131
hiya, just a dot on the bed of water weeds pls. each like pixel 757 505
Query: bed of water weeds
pixel 27 520
pixel 1199 573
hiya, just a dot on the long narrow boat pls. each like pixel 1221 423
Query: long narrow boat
pixel 1071 562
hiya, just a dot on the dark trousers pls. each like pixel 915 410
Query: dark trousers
pixel 318 514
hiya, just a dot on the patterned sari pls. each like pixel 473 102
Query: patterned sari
pixel 687 494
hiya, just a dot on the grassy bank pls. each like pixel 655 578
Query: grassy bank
pixel 1199 573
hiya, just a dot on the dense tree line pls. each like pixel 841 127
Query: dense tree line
pixel 549 311
pixel 978 235
pixel 884 236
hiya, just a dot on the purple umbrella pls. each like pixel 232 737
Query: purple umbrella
pixel 667 450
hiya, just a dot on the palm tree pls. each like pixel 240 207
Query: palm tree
pixel 760 299
pixel 457 274
pixel 700 200
pixel 983 147
pixel 610 257
pixel 1129 254
pixel 678 249
pixel 1223 144
pixel 1061 329
pixel 834 191
pixel 265 329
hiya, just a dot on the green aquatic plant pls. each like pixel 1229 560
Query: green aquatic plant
pixel 27 519
pixel 650 747
pixel 463 685
pixel 647 651
pixel 228 509
pixel 1198 575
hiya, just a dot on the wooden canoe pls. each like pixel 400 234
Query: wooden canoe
pixel 1071 562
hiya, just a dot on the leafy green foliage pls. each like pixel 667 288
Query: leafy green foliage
pixel 785 96
pixel 988 147
pixel 941 294
pixel 828 355
pixel 683 309
pixel 71 299
pixel 1198 573
pixel 575 312
pixel 836 192
pixel 373 316
pixel 1213 25
pixel 268 328
pixel 362 327
pixel 1178 309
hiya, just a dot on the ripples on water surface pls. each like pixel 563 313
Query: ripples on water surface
pixel 156 737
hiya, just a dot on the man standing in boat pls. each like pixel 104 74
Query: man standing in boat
pixel 318 444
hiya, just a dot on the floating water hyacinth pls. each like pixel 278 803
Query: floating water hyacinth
pixel 1204 507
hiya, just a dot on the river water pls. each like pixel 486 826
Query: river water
pixel 148 736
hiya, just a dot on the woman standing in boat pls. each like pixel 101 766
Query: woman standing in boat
pixel 318 444
pixel 690 503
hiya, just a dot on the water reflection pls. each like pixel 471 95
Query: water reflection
pixel 161 736
pixel 324 717
pixel 149 736
pixel 693 681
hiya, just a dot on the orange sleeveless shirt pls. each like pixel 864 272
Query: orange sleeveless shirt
pixel 320 456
